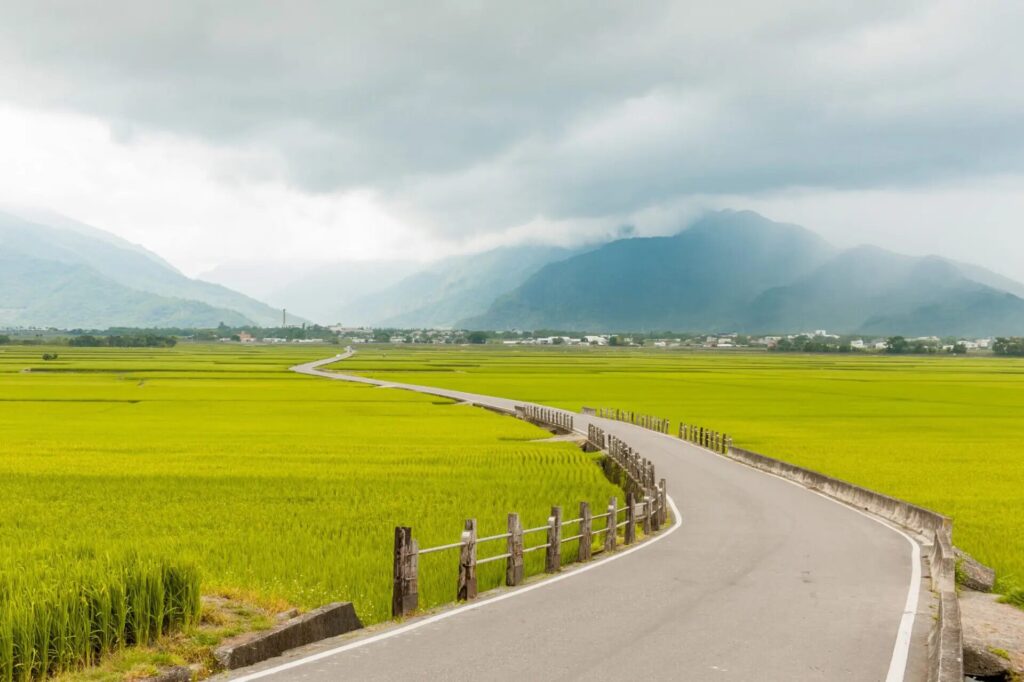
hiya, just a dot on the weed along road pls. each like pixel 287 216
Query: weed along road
pixel 756 579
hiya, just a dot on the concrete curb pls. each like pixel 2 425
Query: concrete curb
pixel 889 508
pixel 945 642
pixel 326 621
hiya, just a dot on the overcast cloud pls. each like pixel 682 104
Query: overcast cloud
pixel 226 130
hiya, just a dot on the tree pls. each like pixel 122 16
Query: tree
pixel 1013 345
pixel 897 345
pixel 4 339
pixel 86 341
pixel 477 337
pixel 959 349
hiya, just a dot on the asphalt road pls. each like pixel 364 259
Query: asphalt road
pixel 760 579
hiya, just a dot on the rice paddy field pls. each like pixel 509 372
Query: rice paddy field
pixel 132 480
pixel 943 432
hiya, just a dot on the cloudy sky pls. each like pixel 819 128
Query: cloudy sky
pixel 224 131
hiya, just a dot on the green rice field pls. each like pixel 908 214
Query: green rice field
pixel 943 432
pixel 140 477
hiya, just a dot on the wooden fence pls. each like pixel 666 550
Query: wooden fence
pixel 712 440
pixel 648 510
pixel 545 415
pixel 645 420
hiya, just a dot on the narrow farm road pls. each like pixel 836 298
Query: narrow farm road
pixel 761 580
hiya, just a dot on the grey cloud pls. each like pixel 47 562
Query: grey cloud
pixel 478 116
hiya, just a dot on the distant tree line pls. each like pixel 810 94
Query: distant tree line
pixel 123 341
pixel 899 345
pixel 1009 345
pixel 807 344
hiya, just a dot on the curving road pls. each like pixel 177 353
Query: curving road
pixel 761 580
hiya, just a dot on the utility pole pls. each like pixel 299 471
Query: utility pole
pixel 284 317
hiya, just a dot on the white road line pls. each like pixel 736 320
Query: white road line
pixel 469 607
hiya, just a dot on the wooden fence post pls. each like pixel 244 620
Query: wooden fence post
pixel 467 563
pixel 514 563
pixel 554 562
pixel 663 504
pixel 609 537
pixel 655 511
pixel 405 592
pixel 647 514
pixel 587 541
pixel 630 519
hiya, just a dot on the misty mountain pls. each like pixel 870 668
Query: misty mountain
pixel 67 274
pixel 314 289
pixel 451 289
pixel 696 279
pixel 738 271
pixel 50 293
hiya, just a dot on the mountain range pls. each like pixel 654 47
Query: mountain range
pixel 728 271
pixel 738 271
pixel 58 272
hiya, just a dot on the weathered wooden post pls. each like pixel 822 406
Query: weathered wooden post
pixel 630 519
pixel 728 444
pixel 647 514
pixel 514 548
pixel 586 533
pixel 467 563
pixel 655 511
pixel 663 504
pixel 405 592
pixel 613 517
pixel 554 554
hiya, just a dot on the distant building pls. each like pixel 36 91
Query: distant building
pixel 246 337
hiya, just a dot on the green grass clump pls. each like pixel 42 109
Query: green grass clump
pixel 56 618
pixel 943 432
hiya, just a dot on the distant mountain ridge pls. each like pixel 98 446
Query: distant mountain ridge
pixel 67 274
pixel 729 271
pixel 441 294
pixel 738 271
